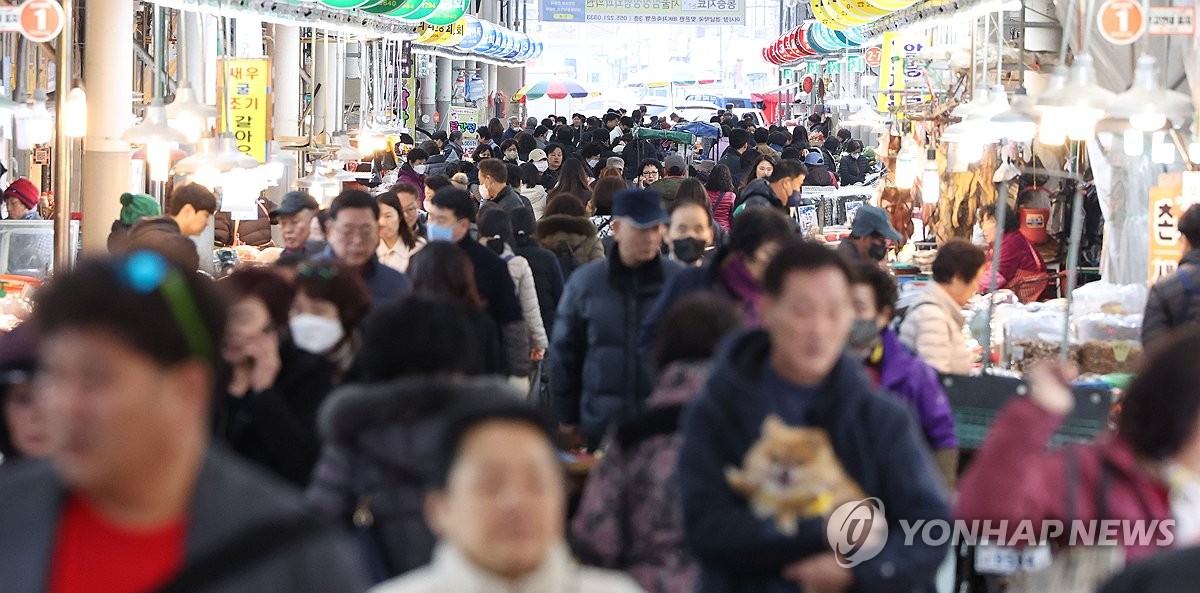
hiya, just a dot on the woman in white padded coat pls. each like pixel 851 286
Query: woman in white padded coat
pixel 933 324
pixel 495 231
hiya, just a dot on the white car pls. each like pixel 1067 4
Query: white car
pixel 756 115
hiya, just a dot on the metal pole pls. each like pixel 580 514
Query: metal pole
pixel 1072 260
pixel 63 148
pixel 994 273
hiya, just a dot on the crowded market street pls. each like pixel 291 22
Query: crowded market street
pixel 587 296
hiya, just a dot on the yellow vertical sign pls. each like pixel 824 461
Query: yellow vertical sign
pixel 891 71
pixel 245 85
pixel 1165 248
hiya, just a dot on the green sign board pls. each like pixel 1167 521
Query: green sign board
pixel 856 63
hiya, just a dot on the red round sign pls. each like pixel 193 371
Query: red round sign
pixel 41 20
pixel 808 83
pixel 437 117
pixel 873 57
pixel 1121 22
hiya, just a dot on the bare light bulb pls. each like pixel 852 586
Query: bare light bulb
pixel 1194 152
pixel 1162 151
pixel 1148 122
pixel 1134 142
pixel 158 159
pixel 74 117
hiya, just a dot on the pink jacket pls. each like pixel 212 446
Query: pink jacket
pixel 722 207
pixel 1016 253
pixel 1013 477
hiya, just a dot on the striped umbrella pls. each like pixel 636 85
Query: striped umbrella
pixel 555 88
pixel 670 74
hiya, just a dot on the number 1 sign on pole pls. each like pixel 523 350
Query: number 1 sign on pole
pixel 38 20
pixel 1121 22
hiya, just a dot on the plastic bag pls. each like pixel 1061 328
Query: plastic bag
pixel 1105 297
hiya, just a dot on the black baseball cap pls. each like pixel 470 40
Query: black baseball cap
pixel 293 203
pixel 642 206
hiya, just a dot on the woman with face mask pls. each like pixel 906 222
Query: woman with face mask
pixel 509 152
pixel 412 171
pixel 330 305
pixel 269 411
pixel 692 234
pixel 894 369
pixel 736 270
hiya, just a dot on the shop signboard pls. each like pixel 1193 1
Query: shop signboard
pixel 855 63
pixel 245 84
pixel 873 56
pixel 1121 22
pixel 464 119
pixel 899 70
pixel 812 68
pixel 1173 195
pixel 1172 20
pixel 661 12
pixel 38 20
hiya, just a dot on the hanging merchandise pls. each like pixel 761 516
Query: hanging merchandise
pixel 475 88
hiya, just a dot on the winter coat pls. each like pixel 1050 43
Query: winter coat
pixel 758 193
pixel 385 284
pixel 629 517
pixel 932 328
pixel 633 155
pixel 1176 571
pixel 666 188
pixel 522 275
pixel 277 427
pixel 1016 254
pixel 452 571
pixel 572 238
pixel 596 374
pixel 230 496
pixel 398 256
pixel 1014 477
pixel 537 199
pixel 380 444
pixel 904 375
pixel 875 439
pixel 497 288
pixel 1173 301
pixel 510 200
pixel 853 169
pixel 706 278
pixel 257 232
pixel 820 176
pixel 722 207
pixel 547 278
pixel 406 174
pixel 733 160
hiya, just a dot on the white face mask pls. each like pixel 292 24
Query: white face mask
pixel 420 169
pixel 315 334
pixel 541 166
pixel 511 155
pixel 592 163
pixel 483 192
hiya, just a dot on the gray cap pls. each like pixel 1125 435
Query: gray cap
pixel 674 161
pixel 616 161
pixel 869 220
pixel 293 203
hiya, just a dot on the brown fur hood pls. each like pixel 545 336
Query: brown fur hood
pixel 566 225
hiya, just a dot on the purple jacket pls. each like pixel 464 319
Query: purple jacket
pixel 629 518
pixel 910 379
pixel 406 174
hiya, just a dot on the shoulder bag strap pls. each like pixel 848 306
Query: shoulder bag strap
pixel 243 551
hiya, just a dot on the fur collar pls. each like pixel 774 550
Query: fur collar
pixel 571 225
pixel 358 407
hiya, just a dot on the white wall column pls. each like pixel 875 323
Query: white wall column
pixel 285 80
pixel 445 88
pixel 320 58
pixel 108 74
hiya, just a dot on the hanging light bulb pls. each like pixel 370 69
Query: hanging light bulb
pixel 34 124
pixel 1147 105
pixel 1135 142
pixel 931 179
pixel 908 164
pixel 1194 152
pixel 1162 150
pixel 74 117
pixel 158 138
pixel 188 115
pixel 1078 105
pixel 1052 131
pixel 215 154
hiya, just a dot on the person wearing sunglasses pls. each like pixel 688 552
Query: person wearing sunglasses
pixel 353 239
pixel 137 497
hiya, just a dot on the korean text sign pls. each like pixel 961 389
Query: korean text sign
pixel 246 108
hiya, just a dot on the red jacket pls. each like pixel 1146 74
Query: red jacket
pixel 1016 253
pixel 1014 478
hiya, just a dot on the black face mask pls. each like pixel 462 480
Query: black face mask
pixel 877 251
pixel 688 250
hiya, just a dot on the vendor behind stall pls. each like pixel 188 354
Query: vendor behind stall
pixel 21 200
pixel 1017 254
pixel 869 235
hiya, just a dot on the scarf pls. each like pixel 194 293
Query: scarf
pixel 744 288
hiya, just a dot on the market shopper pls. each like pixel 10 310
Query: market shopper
pixel 651 171
pixel 353 239
pixel 572 181
pixel 1144 471
pixel 691 232
pixel 494 187
pixel 412 171
pixel 450 216
pixel 721 194
pixel 819 173
pixel 137 496
pixel 134 207
pixel 547 273
pixel 601 207
pixel 739 144
pixel 1018 257
pixel 444 272
pixel 191 207
pixel 328 311
pixel 269 410
pixel 21 200
pixel 23 424
pixel 567 232
pixel 532 188
pixel 410 202
pixel 629 516
pixel 675 169
pixel 495 231
pixel 760 168
pixel 786 178
pixel 294 217
pixel 497 498
pixel 933 324
pixel 555 155
pixel 595 375
pixel 854 166
pixel 737 272
pixel 397 244
pixel 795 370
pixel 1172 302
pixel 869 236
pixel 895 370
